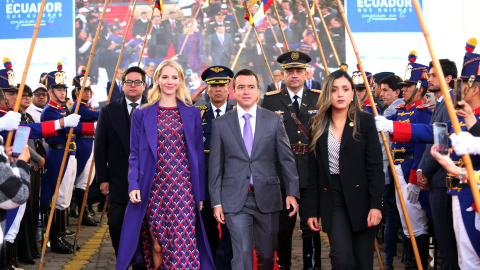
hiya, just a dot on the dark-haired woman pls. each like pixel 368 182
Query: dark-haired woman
pixel 346 176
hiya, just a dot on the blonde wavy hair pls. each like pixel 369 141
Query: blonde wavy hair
pixel 182 93
pixel 319 123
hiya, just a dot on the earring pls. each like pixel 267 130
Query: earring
pixel 352 99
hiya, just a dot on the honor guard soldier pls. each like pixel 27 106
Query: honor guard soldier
pixel 361 90
pixel 55 109
pixel 465 218
pixel 84 153
pixel 217 79
pixel 407 156
pixel 297 105
pixel 8 97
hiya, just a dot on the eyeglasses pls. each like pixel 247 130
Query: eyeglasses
pixel 40 94
pixel 136 82
pixel 26 95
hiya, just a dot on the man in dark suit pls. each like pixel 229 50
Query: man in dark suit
pixel 277 76
pixel 217 79
pixel 112 148
pixel 172 29
pixel 242 179
pixel 429 170
pixel 158 44
pixel 256 61
pixel 297 105
pixel 140 25
pixel 311 83
pixel 149 72
pixel 117 91
pixel 220 47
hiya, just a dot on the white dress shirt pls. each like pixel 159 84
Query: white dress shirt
pixel 129 107
pixel 119 87
pixel 441 98
pixel 222 108
pixel 221 38
pixel 253 117
pixel 35 112
pixel 299 94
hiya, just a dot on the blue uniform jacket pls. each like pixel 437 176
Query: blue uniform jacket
pixel 415 113
pixel 84 145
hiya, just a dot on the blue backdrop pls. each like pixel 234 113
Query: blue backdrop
pixel 376 16
pixel 18 18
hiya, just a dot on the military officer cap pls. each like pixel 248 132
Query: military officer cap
pixel 57 78
pixel 294 59
pixel 217 75
pixel 379 76
pixel 471 63
pixel 415 72
pixel 8 82
pixel 78 81
pixel 358 78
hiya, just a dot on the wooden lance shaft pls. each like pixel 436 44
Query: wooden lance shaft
pixel 385 142
pixel 241 48
pixel 121 51
pixel 25 70
pixel 148 33
pixel 264 57
pixel 235 16
pixel 448 102
pixel 377 250
pixel 328 33
pixel 278 20
pixel 188 31
pixel 69 138
pixel 324 61
pixel 273 31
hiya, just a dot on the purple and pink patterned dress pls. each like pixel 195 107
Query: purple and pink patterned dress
pixel 171 206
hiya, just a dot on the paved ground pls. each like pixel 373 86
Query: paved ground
pixel 98 254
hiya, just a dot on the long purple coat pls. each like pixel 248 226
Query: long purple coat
pixel 141 172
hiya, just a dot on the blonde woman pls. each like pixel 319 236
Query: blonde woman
pixel 162 224
pixel 346 178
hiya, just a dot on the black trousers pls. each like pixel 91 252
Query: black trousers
pixel 348 249
pixel 441 205
pixel 287 224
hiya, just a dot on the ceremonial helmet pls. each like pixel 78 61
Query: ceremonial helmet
pixel 8 81
pixel 471 63
pixel 57 77
pixel 78 81
pixel 415 74
pixel 358 78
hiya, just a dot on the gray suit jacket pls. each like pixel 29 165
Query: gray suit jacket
pixel 430 166
pixel 216 49
pixel 230 166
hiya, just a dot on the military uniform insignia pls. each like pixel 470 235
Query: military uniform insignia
pixel 271 93
pixel 203 109
pixel 316 91
pixel 304 104
pixel 12 80
pixel 400 107
pixel 279 112
pixel 87 83
pixel 312 111
pixel 295 55
pixel 423 107
pixel 405 113
pixel 217 69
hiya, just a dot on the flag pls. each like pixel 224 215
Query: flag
pixel 256 19
pixel 248 15
pixel 159 6
pixel 266 5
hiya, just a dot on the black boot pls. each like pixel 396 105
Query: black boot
pixel 311 253
pixel 87 220
pixel 56 242
pixel 423 242
pixel 63 229
pixel 284 254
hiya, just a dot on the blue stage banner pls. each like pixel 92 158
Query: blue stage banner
pixel 382 16
pixel 18 19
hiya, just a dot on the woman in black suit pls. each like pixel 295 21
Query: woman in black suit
pixel 346 178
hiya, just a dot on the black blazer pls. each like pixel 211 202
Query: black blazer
pixel 112 148
pixel 271 87
pixel 361 173
pixel 475 130
pixel 116 94
pixel 315 84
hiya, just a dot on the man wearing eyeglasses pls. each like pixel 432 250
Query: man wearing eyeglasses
pixel 112 149
pixel 39 100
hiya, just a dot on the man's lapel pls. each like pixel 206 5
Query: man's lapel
pixel 119 122
pixel 306 99
pixel 235 127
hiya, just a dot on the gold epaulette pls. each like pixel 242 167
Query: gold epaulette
pixel 370 104
pixel 401 106
pixel 271 93
pixel 422 107
pixel 316 91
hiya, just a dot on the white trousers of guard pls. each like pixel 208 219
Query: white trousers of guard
pixel 418 215
pixel 66 187
pixel 82 179
pixel 467 257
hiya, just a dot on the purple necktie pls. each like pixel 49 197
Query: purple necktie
pixel 248 138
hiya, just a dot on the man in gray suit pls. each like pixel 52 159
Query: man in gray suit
pixel 220 47
pixel 243 181
pixel 429 170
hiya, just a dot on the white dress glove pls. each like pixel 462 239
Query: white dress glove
pixel 477 218
pixel 413 191
pixel 384 124
pixel 465 143
pixel 10 121
pixel 71 120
